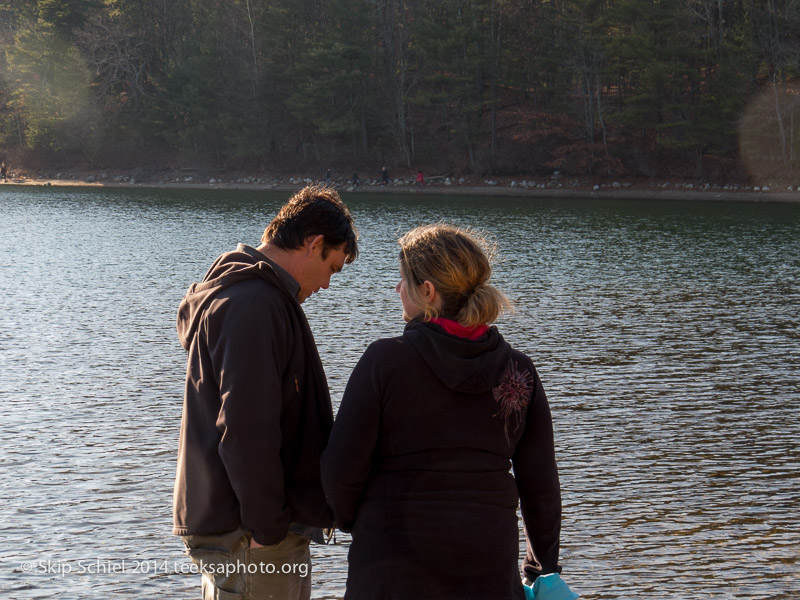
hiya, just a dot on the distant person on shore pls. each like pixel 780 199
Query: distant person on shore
pixel 420 180
pixel 355 182
pixel 384 176
pixel 256 411
pixel 328 177
pixel 3 171
pixel 431 422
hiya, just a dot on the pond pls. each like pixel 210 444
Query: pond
pixel 667 335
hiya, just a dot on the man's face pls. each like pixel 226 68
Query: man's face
pixel 316 271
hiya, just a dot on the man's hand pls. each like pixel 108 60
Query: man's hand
pixel 255 544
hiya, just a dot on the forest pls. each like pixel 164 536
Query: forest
pixel 704 89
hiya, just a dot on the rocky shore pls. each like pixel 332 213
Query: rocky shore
pixel 553 186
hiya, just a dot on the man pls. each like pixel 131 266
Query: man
pixel 256 412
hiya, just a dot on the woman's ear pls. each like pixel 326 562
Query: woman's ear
pixel 428 292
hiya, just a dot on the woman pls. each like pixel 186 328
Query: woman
pixel 418 462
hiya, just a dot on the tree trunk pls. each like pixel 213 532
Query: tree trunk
pixel 251 22
pixel 495 50
pixel 395 69
pixel 781 126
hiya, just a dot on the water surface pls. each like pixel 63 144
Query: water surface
pixel 666 335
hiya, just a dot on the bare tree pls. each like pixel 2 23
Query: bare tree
pixel 780 46
pixel 392 19
pixel 118 56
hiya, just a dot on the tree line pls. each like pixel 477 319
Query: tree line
pixel 690 88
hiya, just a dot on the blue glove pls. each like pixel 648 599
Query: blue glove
pixel 549 587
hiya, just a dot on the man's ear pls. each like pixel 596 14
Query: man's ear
pixel 313 244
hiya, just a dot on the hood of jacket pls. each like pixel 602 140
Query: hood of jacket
pixel 463 365
pixel 227 270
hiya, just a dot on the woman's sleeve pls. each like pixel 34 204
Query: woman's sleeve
pixel 347 461
pixel 536 474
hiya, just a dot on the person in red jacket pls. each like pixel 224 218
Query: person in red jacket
pixel 256 412
pixel 430 425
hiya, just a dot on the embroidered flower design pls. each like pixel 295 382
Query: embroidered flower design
pixel 513 393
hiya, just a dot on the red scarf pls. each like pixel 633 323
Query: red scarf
pixel 455 328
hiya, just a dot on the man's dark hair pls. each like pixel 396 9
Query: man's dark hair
pixel 314 210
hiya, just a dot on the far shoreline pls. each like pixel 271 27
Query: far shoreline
pixel 499 187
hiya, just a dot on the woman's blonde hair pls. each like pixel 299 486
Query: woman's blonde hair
pixel 457 262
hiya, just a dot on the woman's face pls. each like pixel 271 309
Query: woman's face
pixel 410 308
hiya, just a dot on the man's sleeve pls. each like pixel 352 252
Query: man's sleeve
pixel 248 343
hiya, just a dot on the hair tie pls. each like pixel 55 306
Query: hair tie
pixel 472 290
